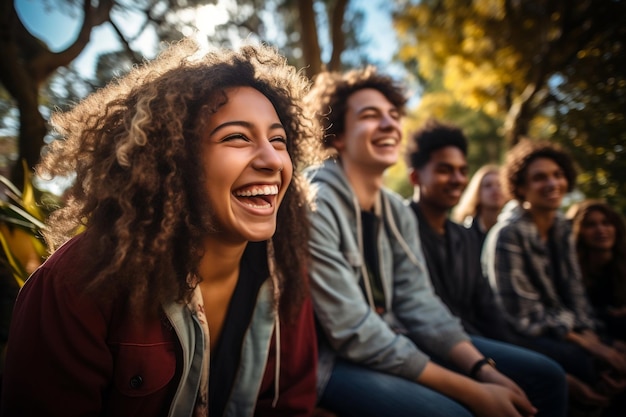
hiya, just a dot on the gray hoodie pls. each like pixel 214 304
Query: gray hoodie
pixel 415 322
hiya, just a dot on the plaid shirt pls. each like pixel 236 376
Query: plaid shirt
pixel 536 300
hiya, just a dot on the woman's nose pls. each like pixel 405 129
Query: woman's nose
pixel 268 158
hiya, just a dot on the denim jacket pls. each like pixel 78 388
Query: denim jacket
pixel 416 323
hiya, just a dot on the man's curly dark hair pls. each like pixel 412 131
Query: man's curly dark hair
pixel 134 148
pixel 432 136
pixel 330 92
pixel 523 154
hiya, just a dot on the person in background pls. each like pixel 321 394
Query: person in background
pixel 531 263
pixel 379 320
pixel 186 293
pixel 481 202
pixel 600 236
pixel 437 160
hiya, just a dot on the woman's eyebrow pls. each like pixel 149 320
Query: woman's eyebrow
pixel 243 123
pixel 231 123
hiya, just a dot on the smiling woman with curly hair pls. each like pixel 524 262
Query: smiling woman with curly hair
pixel 194 247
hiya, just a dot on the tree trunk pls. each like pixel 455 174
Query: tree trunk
pixel 337 35
pixel 517 120
pixel 27 63
pixel 311 50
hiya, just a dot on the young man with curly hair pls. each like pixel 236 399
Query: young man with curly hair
pixel 379 321
pixel 186 293
pixel 530 260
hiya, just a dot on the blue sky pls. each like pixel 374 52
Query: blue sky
pixel 58 29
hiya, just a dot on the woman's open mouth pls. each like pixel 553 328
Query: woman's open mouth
pixel 257 196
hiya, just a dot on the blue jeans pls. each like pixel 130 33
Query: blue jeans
pixel 541 378
pixel 355 390
pixel 574 359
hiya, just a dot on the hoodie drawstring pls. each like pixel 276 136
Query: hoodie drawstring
pixel 276 289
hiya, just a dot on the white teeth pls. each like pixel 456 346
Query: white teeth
pixel 264 206
pixel 251 192
pixel 386 142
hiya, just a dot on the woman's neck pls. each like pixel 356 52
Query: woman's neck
pixel 219 269
pixel 220 260
pixel 599 258
pixel 487 217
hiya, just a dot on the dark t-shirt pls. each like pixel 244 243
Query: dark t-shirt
pixel 227 353
pixel 371 225
pixel 453 261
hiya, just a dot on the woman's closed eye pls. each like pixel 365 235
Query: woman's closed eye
pixel 235 136
pixel 279 142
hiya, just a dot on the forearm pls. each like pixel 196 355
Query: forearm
pixel 464 355
pixel 451 384
pixel 494 395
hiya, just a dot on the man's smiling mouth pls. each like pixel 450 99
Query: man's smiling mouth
pixel 386 142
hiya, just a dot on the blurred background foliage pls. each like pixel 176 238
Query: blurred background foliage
pixel 500 69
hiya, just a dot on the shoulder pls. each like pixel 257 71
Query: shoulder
pixel 399 205
pixel 72 252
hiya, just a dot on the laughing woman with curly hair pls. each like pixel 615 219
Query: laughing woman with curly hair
pixel 194 250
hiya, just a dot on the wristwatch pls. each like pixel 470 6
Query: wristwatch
pixel 473 373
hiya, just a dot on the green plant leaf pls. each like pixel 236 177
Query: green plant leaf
pixel 18 271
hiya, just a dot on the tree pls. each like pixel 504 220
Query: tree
pixel 501 55
pixel 314 35
pixel 28 63
pixel 550 69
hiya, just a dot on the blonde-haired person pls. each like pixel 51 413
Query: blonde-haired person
pixel 186 294
pixel 481 201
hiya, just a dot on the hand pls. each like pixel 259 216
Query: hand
pixel 619 346
pixel 613 384
pixel 492 375
pixel 584 394
pixel 499 401
pixel 611 356
pixel 617 312
pixel 589 341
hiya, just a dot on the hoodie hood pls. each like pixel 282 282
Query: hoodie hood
pixel 331 173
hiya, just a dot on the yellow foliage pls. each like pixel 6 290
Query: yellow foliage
pixel 490 8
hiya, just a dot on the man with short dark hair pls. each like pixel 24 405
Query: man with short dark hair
pixel 437 159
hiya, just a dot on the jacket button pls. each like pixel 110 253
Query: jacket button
pixel 136 382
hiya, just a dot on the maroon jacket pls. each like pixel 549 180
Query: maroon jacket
pixel 70 356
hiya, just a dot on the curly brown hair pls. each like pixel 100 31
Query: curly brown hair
pixel 134 148
pixel 330 92
pixel 523 154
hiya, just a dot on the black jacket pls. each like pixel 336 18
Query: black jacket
pixel 457 278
